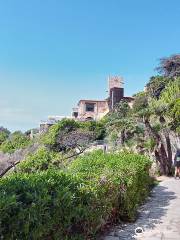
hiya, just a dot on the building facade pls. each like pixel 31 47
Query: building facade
pixel 92 109
pixel 88 110
pixel 96 109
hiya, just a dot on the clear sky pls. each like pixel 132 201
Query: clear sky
pixel 54 52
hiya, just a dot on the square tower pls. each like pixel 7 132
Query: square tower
pixel 116 90
pixel 115 82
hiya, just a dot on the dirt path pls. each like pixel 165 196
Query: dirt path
pixel 159 217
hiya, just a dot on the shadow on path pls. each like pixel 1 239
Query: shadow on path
pixel 149 214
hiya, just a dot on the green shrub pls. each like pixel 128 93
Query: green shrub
pixel 128 171
pixel 16 140
pixel 65 125
pixel 74 204
pixel 4 134
pixel 58 136
pixel 42 160
pixel 39 206
pixel 98 128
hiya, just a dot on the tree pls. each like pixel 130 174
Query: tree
pixel 97 127
pixel 65 126
pixel 77 140
pixel 143 112
pixel 16 140
pixel 167 106
pixel 156 85
pixel 159 106
pixel 175 115
pixel 4 134
pixel 120 125
pixel 70 135
pixel 170 66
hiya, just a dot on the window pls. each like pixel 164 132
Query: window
pixel 90 107
pixel 75 114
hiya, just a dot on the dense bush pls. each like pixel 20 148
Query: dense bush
pixel 65 126
pixel 70 134
pixel 127 173
pixel 4 134
pixel 98 128
pixel 15 141
pixel 76 204
pixel 39 206
pixel 41 160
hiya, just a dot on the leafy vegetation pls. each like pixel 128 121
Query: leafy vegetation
pixel 152 124
pixel 68 135
pixel 74 204
pixel 56 193
pixel 14 141
pixel 170 66
pixel 119 123
pixel 42 160
pixel 4 134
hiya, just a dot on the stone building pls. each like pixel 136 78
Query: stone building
pixel 96 109
pixel 92 109
pixel 88 110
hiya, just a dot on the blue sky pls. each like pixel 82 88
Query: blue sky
pixel 54 52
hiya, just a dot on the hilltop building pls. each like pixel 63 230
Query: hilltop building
pixel 91 109
pixel 96 109
pixel 88 110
